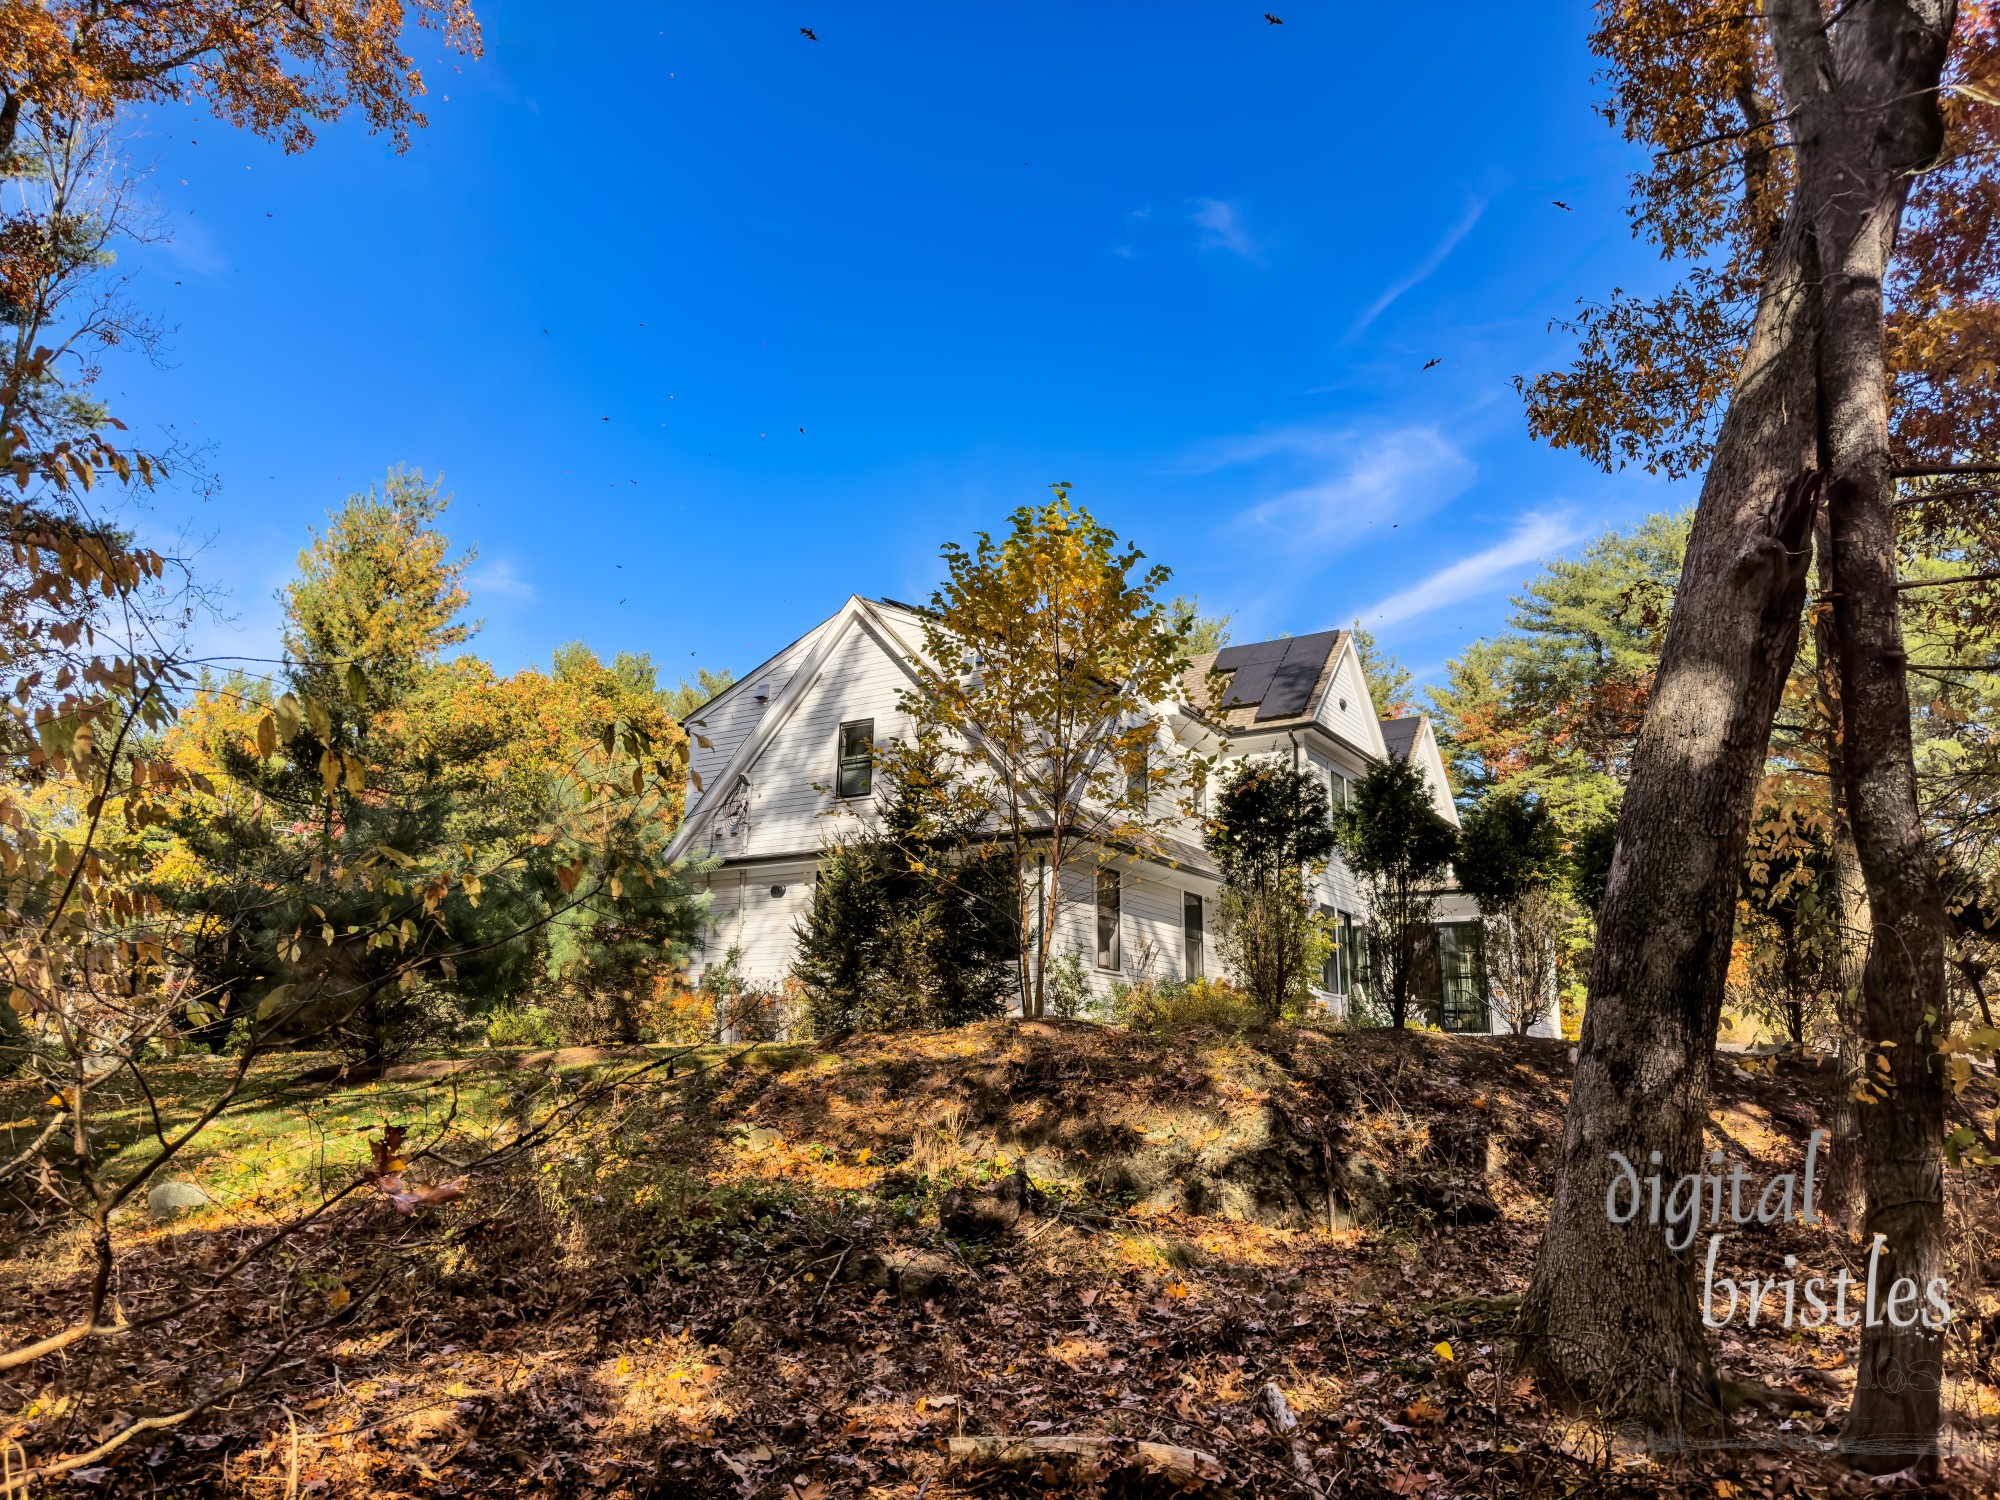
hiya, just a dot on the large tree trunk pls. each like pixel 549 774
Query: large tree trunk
pixel 1867 117
pixel 1611 1316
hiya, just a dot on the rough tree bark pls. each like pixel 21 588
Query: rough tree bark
pixel 1866 117
pixel 1842 1197
pixel 1610 1318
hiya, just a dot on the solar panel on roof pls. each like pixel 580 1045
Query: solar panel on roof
pixel 1292 683
pixel 1230 657
pixel 1248 685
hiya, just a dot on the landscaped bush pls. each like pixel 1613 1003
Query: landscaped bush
pixel 1181 1005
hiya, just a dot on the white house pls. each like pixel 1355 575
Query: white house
pixel 787 769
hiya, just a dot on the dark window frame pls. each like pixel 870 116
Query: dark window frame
pixel 1114 912
pixel 854 773
pixel 1194 937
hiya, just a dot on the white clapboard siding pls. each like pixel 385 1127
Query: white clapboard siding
pixel 1357 722
pixel 744 914
pixel 729 720
pixel 792 806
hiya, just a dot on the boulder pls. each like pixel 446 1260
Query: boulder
pixel 982 1213
pixel 169 1200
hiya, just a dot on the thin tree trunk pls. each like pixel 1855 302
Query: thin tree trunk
pixel 1866 119
pixel 1843 1182
pixel 1611 1317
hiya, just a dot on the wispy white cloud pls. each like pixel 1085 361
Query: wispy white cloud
pixel 1337 478
pixel 1421 270
pixel 499 577
pixel 1535 537
pixel 1222 227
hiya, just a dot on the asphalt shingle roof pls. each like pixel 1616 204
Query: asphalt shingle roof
pixel 1199 686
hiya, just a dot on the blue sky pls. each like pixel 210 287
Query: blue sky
pixel 707 325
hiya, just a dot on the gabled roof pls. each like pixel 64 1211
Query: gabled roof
pixel 867 616
pixel 1267 684
pixel 1401 733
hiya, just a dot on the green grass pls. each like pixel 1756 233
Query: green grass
pixel 281 1141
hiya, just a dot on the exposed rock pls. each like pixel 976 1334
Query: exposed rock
pixel 169 1200
pixel 982 1213
pixel 913 1277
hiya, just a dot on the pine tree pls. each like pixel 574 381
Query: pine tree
pixel 913 924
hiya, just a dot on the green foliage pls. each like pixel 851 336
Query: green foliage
pixel 685 699
pixel 1198 633
pixel 378 589
pixel 398 841
pixel 1068 986
pixel 1555 701
pixel 638 674
pixel 522 1026
pixel 1271 825
pixel 1511 861
pixel 610 947
pixel 1165 1006
pixel 1389 682
pixel 1400 848
pixel 911 925
pixel 1508 845
pixel 1590 861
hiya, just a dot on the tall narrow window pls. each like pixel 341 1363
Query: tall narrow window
pixel 857 759
pixel 1191 935
pixel 1109 955
pixel 1350 952
pixel 1330 977
pixel 1136 778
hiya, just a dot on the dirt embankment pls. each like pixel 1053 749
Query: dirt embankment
pixel 1298 1130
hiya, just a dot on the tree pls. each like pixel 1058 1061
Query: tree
pixel 1553 704
pixel 1783 143
pixel 1787 929
pixel 1389 682
pixel 1198 633
pixel 278 70
pixel 612 949
pixel 1509 860
pixel 399 837
pixel 1045 660
pixel 1271 829
pixel 911 924
pixel 1400 848
pixel 688 696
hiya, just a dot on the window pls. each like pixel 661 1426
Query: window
pixel 1350 952
pixel 1136 778
pixel 1108 952
pixel 1462 975
pixel 857 759
pixel 1191 935
pixel 1337 792
pixel 1330 977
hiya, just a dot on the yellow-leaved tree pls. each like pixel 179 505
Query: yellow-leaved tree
pixel 1049 663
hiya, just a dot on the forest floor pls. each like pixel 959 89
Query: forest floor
pixel 801 1274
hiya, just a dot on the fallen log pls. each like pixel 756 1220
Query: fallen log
pixel 1288 1428
pixel 1182 1466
